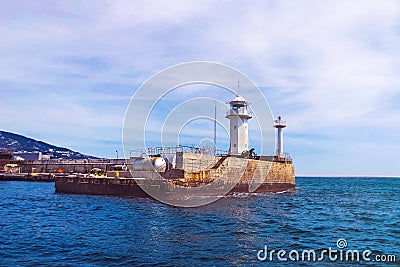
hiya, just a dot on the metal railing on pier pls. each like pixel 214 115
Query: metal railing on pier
pixel 285 158
pixel 152 151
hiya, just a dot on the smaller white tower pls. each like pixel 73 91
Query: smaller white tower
pixel 280 124
pixel 239 127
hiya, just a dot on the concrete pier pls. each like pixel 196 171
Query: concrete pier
pixel 67 166
pixel 195 170
pixel 28 177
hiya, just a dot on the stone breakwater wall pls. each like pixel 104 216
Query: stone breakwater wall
pixel 205 169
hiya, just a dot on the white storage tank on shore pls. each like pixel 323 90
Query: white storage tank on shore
pixel 150 164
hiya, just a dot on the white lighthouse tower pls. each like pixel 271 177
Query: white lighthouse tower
pixel 280 124
pixel 239 128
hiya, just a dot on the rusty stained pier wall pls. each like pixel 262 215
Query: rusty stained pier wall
pixel 267 176
pixel 203 169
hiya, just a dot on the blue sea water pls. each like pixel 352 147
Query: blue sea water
pixel 39 227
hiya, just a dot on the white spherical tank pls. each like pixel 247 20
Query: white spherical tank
pixel 159 164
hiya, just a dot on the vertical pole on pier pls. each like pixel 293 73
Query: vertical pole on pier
pixel 215 128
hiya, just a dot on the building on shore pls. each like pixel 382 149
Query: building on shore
pixel 19 156
pixel 5 158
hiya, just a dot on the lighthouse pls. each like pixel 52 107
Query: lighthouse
pixel 239 130
pixel 280 124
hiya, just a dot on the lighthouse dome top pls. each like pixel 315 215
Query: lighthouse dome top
pixel 238 100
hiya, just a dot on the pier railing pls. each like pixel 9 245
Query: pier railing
pixel 285 158
pixel 173 150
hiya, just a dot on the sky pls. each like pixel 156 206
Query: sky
pixel 68 70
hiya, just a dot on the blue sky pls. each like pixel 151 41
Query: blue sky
pixel 332 68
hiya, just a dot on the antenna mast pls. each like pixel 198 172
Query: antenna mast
pixel 215 128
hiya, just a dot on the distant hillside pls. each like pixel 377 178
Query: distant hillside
pixel 18 143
